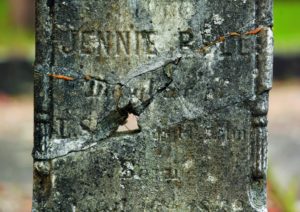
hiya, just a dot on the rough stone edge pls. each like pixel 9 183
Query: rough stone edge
pixel 264 67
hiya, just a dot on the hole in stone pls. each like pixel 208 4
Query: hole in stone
pixel 130 125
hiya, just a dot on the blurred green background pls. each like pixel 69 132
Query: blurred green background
pixel 16 107
pixel 286 26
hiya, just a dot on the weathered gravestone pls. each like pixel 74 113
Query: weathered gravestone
pixel 196 73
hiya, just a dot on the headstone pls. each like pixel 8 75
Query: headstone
pixel 195 73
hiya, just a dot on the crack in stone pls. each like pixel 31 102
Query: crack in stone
pixel 122 113
pixel 69 75
pixel 222 38
pixel 112 133
pixel 151 66
pixel 108 125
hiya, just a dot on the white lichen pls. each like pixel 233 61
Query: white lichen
pixel 188 164
pixel 218 20
pixel 211 178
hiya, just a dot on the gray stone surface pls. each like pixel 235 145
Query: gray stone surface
pixel 195 73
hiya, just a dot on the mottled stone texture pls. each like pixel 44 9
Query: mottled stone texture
pixel 196 73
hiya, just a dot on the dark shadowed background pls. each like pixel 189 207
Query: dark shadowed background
pixel 16 107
